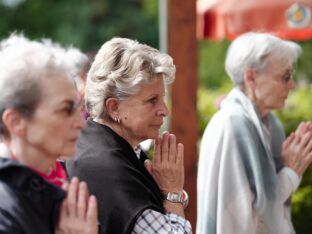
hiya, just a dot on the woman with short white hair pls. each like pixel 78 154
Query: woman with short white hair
pixel 124 96
pixel 247 171
pixel 40 121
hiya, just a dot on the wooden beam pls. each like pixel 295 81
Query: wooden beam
pixel 182 47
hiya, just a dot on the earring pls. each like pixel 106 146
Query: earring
pixel 117 119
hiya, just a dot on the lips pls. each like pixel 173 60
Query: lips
pixel 74 140
pixel 157 125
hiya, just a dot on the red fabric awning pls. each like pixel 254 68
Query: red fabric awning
pixel 220 19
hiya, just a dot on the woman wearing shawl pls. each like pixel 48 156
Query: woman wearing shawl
pixel 247 170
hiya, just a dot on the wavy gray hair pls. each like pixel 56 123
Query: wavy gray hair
pixel 24 64
pixel 120 66
pixel 250 51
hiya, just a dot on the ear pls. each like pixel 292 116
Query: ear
pixel 249 79
pixel 14 122
pixel 112 107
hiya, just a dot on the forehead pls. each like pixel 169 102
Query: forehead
pixel 278 63
pixel 155 86
pixel 57 88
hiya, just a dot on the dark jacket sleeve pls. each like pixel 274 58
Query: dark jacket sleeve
pixel 8 223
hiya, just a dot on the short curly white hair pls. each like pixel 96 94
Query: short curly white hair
pixel 120 66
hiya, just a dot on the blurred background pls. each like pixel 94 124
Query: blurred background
pixel 86 24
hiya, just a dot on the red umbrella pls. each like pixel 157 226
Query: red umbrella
pixel 219 19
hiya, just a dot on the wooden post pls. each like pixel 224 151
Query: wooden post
pixel 183 48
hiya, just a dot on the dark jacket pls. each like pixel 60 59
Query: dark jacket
pixel 28 203
pixel 115 175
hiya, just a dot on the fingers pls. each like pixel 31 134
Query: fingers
pixel 180 154
pixel 82 200
pixel 296 139
pixel 63 210
pixel 92 211
pixel 166 149
pixel 157 151
pixel 65 186
pixel 307 147
pixel 72 195
pixel 288 141
pixel 148 165
pixel 165 146
pixel 172 148
pixel 78 212
pixel 305 139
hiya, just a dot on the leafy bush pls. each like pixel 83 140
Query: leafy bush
pixel 298 108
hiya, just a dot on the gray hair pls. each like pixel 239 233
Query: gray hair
pixel 120 66
pixel 250 51
pixel 23 66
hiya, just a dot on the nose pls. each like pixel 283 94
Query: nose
pixel 79 120
pixel 163 110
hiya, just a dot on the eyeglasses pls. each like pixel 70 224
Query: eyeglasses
pixel 287 76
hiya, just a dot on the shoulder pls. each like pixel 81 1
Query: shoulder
pixel 229 121
pixel 10 209
pixel 8 195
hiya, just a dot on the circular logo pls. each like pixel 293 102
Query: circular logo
pixel 298 16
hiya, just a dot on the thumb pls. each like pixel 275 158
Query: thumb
pixel 148 166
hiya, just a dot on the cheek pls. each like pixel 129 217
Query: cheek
pixel 47 136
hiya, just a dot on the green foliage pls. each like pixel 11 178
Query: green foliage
pixel 83 23
pixel 301 209
pixel 211 63
pixel 207 103
pixel 298 108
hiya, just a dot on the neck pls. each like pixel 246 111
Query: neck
pixel 260 106
pixel 30 156
pixel 117 128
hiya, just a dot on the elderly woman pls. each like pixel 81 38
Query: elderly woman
pixel 40 121
pixel 124 96
pixel 247 172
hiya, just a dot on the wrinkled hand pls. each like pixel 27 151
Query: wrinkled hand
pixel 297 150
pixel 167 167
pixel 78 214
pixel 303 128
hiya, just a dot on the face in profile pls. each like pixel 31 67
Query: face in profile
pixel 142 114
pixel 55 125
pixel 272 85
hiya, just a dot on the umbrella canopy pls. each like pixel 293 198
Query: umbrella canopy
pixel 220 19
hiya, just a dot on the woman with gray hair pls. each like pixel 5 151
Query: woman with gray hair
pixel 247 170
pixel 40 121
pixel 124 96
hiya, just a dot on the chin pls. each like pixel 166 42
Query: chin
pixel 69 153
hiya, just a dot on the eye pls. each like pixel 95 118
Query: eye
pixel 287 76
pixel 153 100
pixel 69 110
pixel 71 107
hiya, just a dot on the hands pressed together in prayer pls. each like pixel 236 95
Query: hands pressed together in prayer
pixel 167 168
pixel 78 213
pixel 297 149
